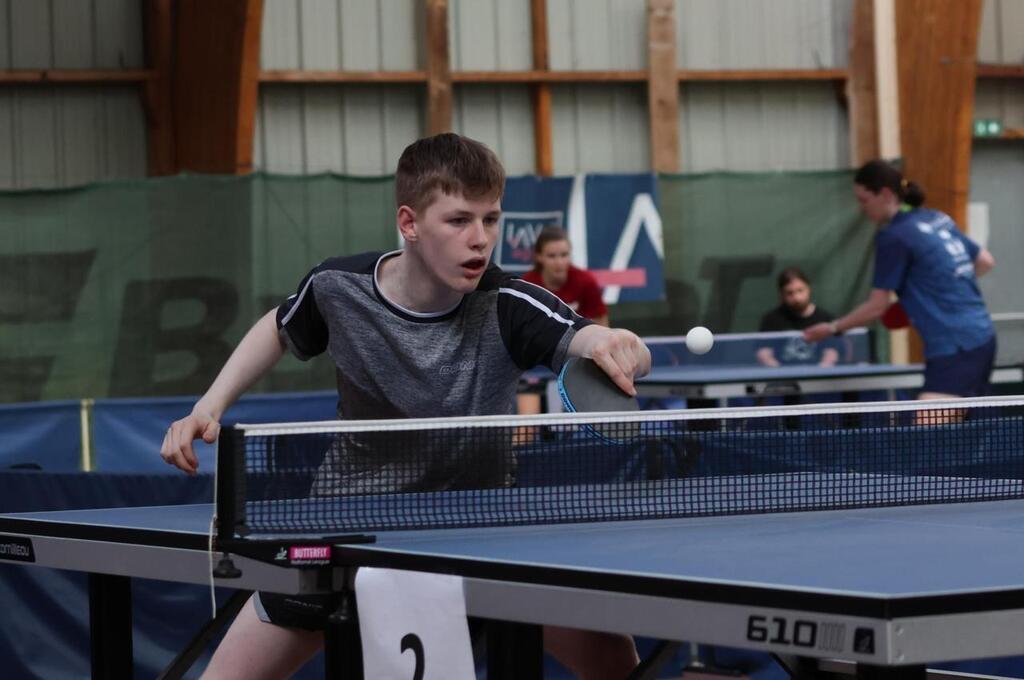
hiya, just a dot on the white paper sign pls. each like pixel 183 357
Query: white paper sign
pixel 413 625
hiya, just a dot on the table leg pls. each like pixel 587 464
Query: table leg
pixel 110 625
pixel 343 651
pixel 868 672
pixel 515 651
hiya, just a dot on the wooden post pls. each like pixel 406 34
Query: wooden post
pixel 541 92
pixel 861 86
pixel 937 47
pixel 439 73
pixel 156 93
pixel 216 83
pixel 663 85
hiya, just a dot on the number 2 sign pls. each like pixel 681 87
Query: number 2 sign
pixel 413 625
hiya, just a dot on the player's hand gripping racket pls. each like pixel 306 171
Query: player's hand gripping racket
pixel 585 388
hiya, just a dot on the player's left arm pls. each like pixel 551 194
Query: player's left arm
pixel 619 352
pixel 863 314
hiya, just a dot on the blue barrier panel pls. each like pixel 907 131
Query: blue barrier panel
pixel 127 433
pixel 49 638
pixel 46 434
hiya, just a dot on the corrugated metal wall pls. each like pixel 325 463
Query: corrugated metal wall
pixel 356 129
pixel 596 127
pixel 67 135
pixel 743 34
pixel 590 35
pixel 353 129
pixel 61 135
pixel 489 36
pixel 349 35
pixel 1001 42
pixel 997 174
pixel 762 126
pixel 502 117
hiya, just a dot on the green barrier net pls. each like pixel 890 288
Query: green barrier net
pixel 728 235
pixel 143 288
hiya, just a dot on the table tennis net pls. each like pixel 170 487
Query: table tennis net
pixel 339 477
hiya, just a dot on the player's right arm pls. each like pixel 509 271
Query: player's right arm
pixel 256 354
pixel 984 262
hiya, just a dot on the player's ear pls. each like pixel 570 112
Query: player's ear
pixel 407 223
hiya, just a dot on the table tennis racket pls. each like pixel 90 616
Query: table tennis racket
pixel 584 387
pixel 895 317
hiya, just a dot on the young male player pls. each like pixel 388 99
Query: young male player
pixel 430 330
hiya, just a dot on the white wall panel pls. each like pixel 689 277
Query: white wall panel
pixel 280 115
pixel 502 118
pixel 761 34
pixel 588 35
pixel 600 128
pixel 71 34
pixel 1001 39
pixel 70 135
pixel 490 35
pixel 358 130
pixel 318 24
pixel 280 37
pixel 762 126
pixel 5 34
pixel 347 35
pixel 997 175
pixel 73 41
pixel 118 34
pixel 30 35
pixel 399 20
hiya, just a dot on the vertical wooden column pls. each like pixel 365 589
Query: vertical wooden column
pixel 541 92
pixel 439 73
pixel 861 86
pixel 663 85
pixel 937 46
pixel 215 85
pixel 156 95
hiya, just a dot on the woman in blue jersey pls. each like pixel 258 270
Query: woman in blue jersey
pixel 933 268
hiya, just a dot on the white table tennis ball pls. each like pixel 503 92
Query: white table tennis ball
pixel 699 340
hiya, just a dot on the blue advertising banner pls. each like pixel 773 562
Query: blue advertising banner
pixel 612 221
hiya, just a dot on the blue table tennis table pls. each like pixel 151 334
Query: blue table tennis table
pixel 890 589
pixel 725 382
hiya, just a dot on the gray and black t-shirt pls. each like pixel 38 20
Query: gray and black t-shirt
pixel 394 363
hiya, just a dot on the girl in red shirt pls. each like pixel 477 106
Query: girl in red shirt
pixel 574 286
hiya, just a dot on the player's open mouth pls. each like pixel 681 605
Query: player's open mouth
pixel 474 267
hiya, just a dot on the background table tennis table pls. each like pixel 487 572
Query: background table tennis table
pixel 890 588
pixel 731 371
pixel 725 382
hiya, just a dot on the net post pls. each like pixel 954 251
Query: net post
pixel 231 520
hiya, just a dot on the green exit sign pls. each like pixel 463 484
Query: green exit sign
pixel 984 127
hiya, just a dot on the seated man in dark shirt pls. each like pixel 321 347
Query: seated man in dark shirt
pixel 795 313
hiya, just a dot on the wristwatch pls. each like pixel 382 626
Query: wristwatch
pixel 832 326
